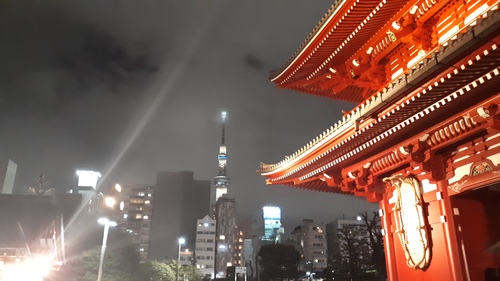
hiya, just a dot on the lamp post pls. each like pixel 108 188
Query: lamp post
pixel 107 223
pixel 311 268
pixel 180 241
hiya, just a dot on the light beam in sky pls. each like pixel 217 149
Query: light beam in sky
pixel 161 89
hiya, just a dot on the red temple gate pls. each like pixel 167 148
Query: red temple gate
pixel 424 140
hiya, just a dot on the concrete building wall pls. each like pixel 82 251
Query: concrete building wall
pixel 179 202
pixel 137 214
pixel 225 215
pixel 312 239
pixel 8 171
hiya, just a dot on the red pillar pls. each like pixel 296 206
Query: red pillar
pixel 455 263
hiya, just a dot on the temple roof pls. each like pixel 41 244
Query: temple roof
pixel 358 46
pixel 437 88
pixel 344 30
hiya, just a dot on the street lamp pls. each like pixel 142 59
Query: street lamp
pixel 180 241
pixel 107 223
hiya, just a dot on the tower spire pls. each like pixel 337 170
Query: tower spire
pixel 221 181
pixel 223 115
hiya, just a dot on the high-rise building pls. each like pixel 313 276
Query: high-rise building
pixel 225 215
pixel 253 230
pixel 239 244
pixel 263 231
pixel 7 176
pixel 272 225
pixel 312 238
pixel 205 246
pixel 179 201
pixel 136 214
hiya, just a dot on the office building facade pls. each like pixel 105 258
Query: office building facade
pixel 179 201
pixel 312 238
pixel 205 246
pixel 136 214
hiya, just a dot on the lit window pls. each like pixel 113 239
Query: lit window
pixel 149 195
pixel 145 217
pixel 222 237
pixel 125 216
pixel 140 193
pixel 141 249
pixel 138 216
pixel 205 224
pixel 147 202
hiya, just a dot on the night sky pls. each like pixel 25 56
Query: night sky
pixel 129 88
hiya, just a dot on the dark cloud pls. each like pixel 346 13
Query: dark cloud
pixel 58 56
pixel 253 62
pixel 134 87
pixel 98 59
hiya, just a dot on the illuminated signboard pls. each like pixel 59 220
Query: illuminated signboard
pixel 88 178
pixel 270 212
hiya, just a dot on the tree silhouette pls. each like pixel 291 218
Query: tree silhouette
pixel 157 271
pixel 360 251
pixel 352 260
pixel 120 264
pixel 278 261
pixel 41 187
pixel 376 243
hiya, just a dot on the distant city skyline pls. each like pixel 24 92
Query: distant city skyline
pixel 138 88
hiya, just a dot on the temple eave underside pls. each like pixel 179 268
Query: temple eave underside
pixel 462 73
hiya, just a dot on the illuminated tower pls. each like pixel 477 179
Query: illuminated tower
pixel 221 181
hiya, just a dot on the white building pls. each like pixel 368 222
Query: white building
pixel 205 246
pixel 312 239
pixel 8 171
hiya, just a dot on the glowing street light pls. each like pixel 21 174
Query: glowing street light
pixel 180 241
pixel 118 187
pixel 110 202
pixel 107 223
